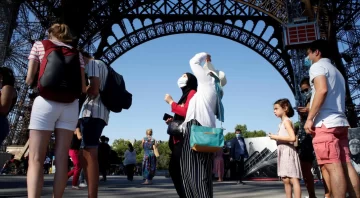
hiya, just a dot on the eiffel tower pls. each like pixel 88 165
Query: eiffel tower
pixel 110 28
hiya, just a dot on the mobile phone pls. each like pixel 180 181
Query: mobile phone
pixel 167 116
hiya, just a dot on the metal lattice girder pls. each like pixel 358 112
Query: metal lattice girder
pixel 8 13
pixel 349 38
pixel 19 117
pixel 103 9
pixel 274 8
pixel 99 15
pixel 44 11
pixel 342 12
pixel 221 18
pixel 27 30
pixel 347 11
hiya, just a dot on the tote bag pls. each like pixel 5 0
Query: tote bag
pixel 156 151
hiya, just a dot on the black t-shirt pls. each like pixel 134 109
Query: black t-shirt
pixel 75 143
pixel 104 152
pixel 306 149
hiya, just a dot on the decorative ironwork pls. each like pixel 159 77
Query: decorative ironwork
pixel 349 39
pixel 347 11
pixel 228 19
pixel 19 117
pixel 8 13
pixel 270 52
pixel 273 8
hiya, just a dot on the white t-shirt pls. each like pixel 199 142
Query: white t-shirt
pixel 202 106
pixel 332 112
pixel 94 107
pixel 130 157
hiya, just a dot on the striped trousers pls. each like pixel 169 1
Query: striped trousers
pixel 196 169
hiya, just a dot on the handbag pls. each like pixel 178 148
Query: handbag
pixel 156 151
pixel 207 139
pixel 174 128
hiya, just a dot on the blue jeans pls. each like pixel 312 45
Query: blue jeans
pixel 4 128
pixel 82 176
pixel 91 130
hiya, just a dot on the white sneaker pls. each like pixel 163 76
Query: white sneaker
pixel 82 185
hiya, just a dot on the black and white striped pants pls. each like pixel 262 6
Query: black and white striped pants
pixel 196 169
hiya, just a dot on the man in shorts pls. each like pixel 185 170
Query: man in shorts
pixel 327 121
pixel 94 116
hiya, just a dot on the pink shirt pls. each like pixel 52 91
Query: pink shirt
pixel 37 52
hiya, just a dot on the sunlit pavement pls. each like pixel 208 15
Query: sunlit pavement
pixel 118 186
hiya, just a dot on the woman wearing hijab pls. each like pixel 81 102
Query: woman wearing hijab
pixel 188 84
pixel 204 108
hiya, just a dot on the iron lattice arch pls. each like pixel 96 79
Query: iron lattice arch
pixel 100 12
pixel 228 19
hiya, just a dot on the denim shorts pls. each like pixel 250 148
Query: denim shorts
pixel 91 130
pixel 4 128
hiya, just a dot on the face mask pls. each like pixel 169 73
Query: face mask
pixel 238 135
pixel 307 94
pixel 182 82
pixel 307 62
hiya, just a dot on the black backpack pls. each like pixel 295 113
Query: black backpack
pixel 114 95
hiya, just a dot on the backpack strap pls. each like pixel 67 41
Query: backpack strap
pixel 48 44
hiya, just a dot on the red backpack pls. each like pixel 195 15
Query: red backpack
pixel 60 73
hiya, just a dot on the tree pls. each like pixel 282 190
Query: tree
pixel 229 136
pixel 296 125
pixel 139 151
pixel 242 128
pixel 120 146
pixel 164 159
pixel 245 133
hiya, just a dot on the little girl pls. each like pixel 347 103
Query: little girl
pixel 288 162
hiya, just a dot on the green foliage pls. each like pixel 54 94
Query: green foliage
pixel 229 136
pixel 243 128
pixel 120 146
pixel 251 134
pixel 297 125
pixel 164 159
pixel 245 133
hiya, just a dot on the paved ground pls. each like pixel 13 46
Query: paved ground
pixel 118 186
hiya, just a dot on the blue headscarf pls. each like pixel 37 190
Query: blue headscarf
pixel 220 93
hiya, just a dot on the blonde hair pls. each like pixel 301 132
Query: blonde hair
pixel 61 32
pixel 149 132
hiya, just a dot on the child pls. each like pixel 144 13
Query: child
pixel 288 160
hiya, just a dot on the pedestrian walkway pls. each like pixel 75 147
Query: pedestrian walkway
pixel 118 186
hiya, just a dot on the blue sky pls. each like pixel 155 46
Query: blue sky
pixel 151 70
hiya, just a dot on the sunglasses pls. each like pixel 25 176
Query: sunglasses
pixel 304 90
